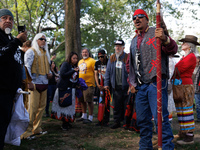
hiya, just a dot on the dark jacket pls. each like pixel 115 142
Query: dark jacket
pixel 66 73
pixel 10 63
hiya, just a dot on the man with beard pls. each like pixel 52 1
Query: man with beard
pixel 11 71
pixel 142 76
pixel 86 72
pixel 117 75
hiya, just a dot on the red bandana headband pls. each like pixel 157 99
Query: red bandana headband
pixel 140 11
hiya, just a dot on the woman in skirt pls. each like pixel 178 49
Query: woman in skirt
pixel 68 79
pixel 184 108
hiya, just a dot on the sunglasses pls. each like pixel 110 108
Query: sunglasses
pixel 100 57
pixel 139 16
pixel 41 39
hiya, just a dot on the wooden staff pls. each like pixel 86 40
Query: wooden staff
pixel 159 80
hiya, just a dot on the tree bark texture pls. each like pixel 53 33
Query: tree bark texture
pixel 72 27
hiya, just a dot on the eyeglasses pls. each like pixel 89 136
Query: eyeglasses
pixel 41 39
pixel 100 57
pixel 139 16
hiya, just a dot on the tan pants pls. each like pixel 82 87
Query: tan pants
pixel 36 109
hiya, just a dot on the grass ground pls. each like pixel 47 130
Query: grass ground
pixel 91 137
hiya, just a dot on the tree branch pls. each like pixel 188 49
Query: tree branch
pixel 48 29
pixel 29 11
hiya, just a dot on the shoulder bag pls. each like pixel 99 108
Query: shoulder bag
pixel 177 87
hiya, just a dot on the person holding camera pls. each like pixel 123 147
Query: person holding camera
pixel 10 64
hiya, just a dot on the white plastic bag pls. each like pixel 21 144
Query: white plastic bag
pixel 19 121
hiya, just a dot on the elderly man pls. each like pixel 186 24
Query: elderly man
pixel 142 76
pixel 117 75
pixel 86 71
pixel 37 61
pixel 10 64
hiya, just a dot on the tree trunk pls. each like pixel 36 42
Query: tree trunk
pixel 72 27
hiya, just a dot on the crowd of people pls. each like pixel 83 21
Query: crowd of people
pixel 27 65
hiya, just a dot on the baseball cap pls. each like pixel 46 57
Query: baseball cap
pixel 119 42
pixel 101 52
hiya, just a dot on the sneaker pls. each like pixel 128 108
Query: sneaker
pixel 115 126
pixel 32 137
pixel 80 119
pixel 41 133
pixel 86 121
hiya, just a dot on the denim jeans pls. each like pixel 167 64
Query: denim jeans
pixel 197 101
pixel 146 106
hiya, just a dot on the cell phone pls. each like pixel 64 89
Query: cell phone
pixel 21 29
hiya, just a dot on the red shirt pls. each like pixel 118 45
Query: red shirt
pixel 140 37
pixel 186 67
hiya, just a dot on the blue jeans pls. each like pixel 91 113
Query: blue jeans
pixel 146 106
pixel 197 101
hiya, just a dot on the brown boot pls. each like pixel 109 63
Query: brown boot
pixel 187 140
pixel 180 135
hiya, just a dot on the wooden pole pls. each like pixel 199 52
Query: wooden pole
pixel 159 79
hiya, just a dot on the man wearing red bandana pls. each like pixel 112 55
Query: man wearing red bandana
pixel 142 76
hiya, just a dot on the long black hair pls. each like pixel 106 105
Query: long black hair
pixel 70 56
pixel 55 68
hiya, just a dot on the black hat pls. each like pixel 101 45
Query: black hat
pixel 190 39
pixel 101 52
pixel 119 42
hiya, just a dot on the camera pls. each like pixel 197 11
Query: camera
pixel 21 29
